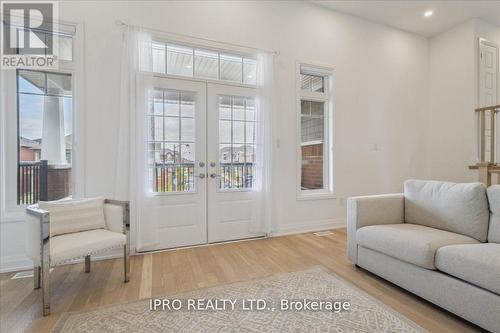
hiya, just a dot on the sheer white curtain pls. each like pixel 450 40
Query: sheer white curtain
pixel 262 209
pixel 135 84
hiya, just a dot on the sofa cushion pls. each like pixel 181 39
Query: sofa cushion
pixel 494 201
pixel 412 243
pixel 459 208
pixel 67 216
pixel 478 264
pixel 76 245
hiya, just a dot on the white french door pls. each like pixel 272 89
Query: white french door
pixel 173 213
pixel 201 145
pixel 231 151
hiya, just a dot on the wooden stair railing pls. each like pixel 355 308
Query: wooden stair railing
pixel 487 164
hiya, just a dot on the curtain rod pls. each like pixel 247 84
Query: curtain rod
pixel 121 23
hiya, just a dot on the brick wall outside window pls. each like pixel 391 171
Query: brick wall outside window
pixel 312 166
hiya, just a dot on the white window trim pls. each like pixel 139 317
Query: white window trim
pixel 326 96
pixel 9 210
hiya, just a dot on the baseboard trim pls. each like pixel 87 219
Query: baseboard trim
pixel 15 263
pixel 312 226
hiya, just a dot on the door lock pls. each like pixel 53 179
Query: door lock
pixel 214 175
pixel 201 175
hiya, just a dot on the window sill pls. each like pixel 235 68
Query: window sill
pixel 315 196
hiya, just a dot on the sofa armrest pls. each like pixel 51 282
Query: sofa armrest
pixel 371 210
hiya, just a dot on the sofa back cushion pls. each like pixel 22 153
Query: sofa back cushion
pixel 460 208
pixel 67 216
pixel 494 201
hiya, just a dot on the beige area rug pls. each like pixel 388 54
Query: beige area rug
pixel 366 314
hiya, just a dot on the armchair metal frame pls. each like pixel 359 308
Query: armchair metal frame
pixel 41 273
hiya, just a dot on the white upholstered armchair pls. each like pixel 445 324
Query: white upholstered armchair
pixel 61 231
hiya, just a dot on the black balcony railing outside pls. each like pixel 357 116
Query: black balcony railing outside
pixel 236 175
pixel 180 177
pixel 31 182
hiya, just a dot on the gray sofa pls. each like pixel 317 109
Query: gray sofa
pixel 438 240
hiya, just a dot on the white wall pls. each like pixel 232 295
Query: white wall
pixel 380 92
pixel 452 99
pixel 453 96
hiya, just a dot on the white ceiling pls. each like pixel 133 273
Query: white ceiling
pixel 408 15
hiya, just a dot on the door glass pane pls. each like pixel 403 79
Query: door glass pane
pixel 225 107
pixel 238 108
pixel 187 153
pixel 172 130
pixel 155 128
pixel 250 110
pixel 187 104
pixel 171 102
pixel 157 106
pixel 249 132
pixel 239 132
pixel 171 154
pixel 236 145
pixel 225 153
pixel 187 129
pixel 238 153
pixel 225 131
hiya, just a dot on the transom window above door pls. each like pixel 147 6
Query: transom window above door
pixel 236 142
pixel 171 141
pixel 181 60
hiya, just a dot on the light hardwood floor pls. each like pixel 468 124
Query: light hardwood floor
pixel 168 272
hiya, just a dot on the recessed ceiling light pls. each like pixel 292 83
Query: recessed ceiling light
pixel 428 13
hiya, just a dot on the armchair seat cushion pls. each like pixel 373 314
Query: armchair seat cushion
pixel 79 244
pixel 412 243
pixel 478 264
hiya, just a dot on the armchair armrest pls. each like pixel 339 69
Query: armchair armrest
pixel 371 210
pixel 112 220
pixel 38 224
pixel 38 231
pixel 113 215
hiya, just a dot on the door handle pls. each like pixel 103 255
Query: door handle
pixel 214 175
pixel 201 175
